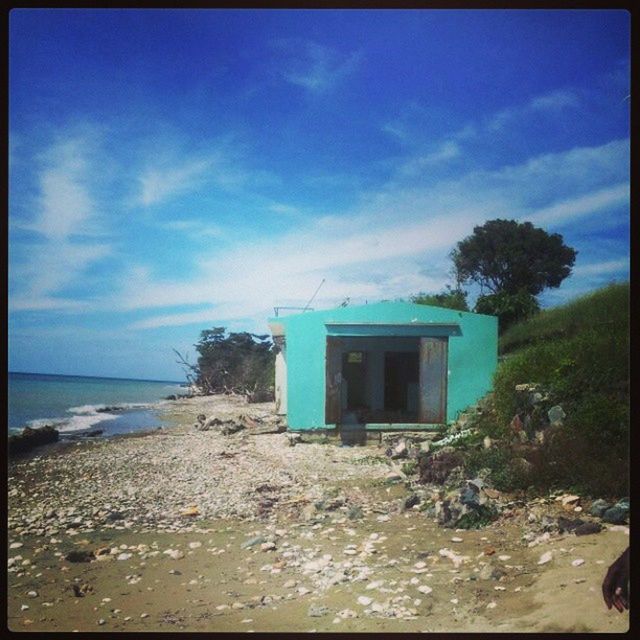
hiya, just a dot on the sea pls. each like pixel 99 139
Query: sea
pixel 76 405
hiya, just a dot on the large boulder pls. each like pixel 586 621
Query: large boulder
pixel 31 438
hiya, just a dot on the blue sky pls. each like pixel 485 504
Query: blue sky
pixel 174 170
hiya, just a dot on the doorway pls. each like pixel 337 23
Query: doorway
pixel 386 380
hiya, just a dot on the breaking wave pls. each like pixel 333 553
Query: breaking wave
pixel 86 416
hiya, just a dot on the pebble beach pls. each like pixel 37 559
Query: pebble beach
pixel 181 529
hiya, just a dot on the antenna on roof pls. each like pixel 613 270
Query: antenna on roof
pixel 345 302
pixel 313 296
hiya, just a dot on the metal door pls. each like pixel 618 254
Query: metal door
pixel 333 398
pixel 433 380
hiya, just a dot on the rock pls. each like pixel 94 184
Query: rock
pixel 31 438
pixel 598 507
pixel 317 611
pixel 293 438
pixel 489 572
pixel 569 500
pixel 615 515
pixel 411 501
pixel 80 556
pixel 252 542
pixel 423 588
pixel 347 613
pixel 400 450
pixel 587 528
pixel 365 601
pixel 556 415
pixel 564 524
pixel 486 443
pixel 577 562
pixel 546 557
pixel 268 546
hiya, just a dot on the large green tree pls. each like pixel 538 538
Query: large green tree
pixel 505 256
pixel 512 262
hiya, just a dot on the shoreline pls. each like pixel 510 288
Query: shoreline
pixel 192 530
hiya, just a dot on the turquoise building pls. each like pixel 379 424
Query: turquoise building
pixel 389 365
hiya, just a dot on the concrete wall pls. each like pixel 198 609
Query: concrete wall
pixel 281 382
pixel 471 364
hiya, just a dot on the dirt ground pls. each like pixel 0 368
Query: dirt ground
pixel 395 578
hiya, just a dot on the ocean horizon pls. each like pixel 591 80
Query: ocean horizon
pixel 77 403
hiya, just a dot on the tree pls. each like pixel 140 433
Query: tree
pixel 449 299
pixel 234 363
pixel 508 257
pixel 509 307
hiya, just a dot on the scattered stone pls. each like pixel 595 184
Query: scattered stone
pixel 556 415
pixel 317 611
pixel 588 528
pixel 617 514
pixel 80 556
pixel 546 557
pixel 577 562
pixel 598 508
pixel 423 588
pixel 365 601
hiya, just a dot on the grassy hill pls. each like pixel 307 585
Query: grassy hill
pixel 578 354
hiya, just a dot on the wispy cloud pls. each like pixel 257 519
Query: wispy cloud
pixel 567 211
pixel 312 66
pixel 65 213
pixel 159 183
pixel 195 228
pixel 605 268
pixel 548 104
pixel 379 249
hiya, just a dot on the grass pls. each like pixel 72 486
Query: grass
pixel 605 308
pixel 579 355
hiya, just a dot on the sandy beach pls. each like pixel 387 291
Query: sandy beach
pixel 187 530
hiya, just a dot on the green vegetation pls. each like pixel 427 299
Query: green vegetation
pixel 512 262
pixel 241 363
pixel 578 355
pixel 607 307
pixel 449 299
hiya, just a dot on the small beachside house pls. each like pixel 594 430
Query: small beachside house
pixel 389 365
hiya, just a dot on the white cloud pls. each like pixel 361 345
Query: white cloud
pixel 65 211
pixel 160 183
pixel 550 103
pixel 602 268
pixel 554 101
pixel 314 67
pixel 380 248
pixel 442 154
pixel 569 210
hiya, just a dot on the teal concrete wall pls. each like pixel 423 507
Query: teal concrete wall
pixel 473 351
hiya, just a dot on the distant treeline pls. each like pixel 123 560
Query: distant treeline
pixel 235 363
